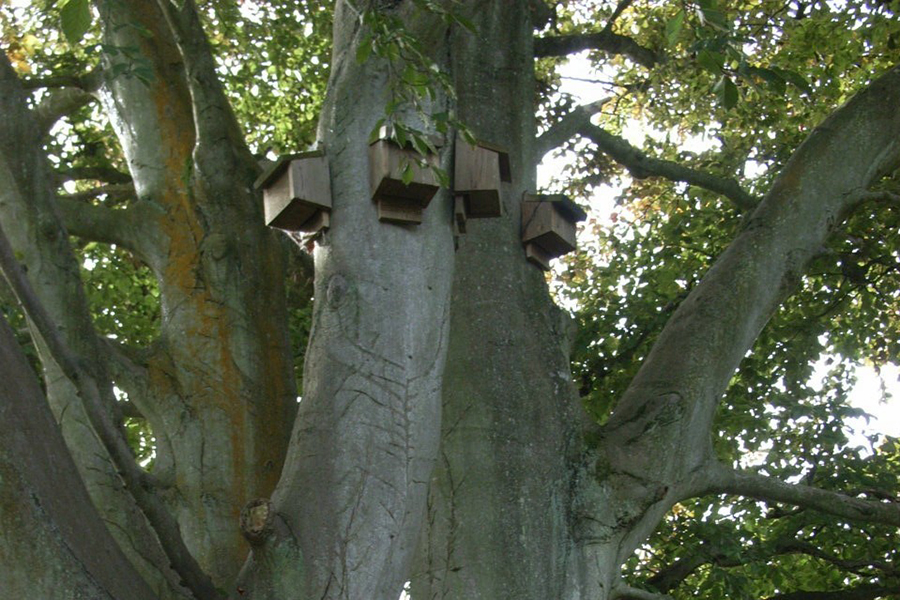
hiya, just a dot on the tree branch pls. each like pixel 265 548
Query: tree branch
pixel 672 399
pixel 641 166
pixel 45 478
pixel 795 546
pixel 221 147
pixel 673 575
pixel 725 480
pixel 623 590
pixel 881 196
pixel 116 190
pixel 541 14
pixel 863 592
pixel 58 104
pixel 137 481
pixel 126 227
pixel 105 173
pixel 670 577
pixel 567 127
pixel 620 8
pixel 89 82
pixel 605 41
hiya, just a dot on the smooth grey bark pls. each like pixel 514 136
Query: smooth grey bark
pixel 656 448
pixel 53 542
pixel 352 495
pixel 519 506
pixel 36 234
pixel 499 518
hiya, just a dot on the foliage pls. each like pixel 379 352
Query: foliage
pixel 282 49
pixel 748 79
pixel 418 84
pixel 122 292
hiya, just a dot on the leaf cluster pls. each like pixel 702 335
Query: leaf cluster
pixel 740 86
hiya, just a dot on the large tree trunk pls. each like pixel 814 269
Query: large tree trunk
pixel 221 397
pixel 352 495
pixel 500 502
pixel 425 367
pixel 521 506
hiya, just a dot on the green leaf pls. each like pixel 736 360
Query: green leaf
pixel 727 92
pixel 797 80
pixel 673 28
pixel 376 131
pixel 711 61
pixel 774 81
pixel 466 23
pixel 420 143
pixel 408 173
pixel 442 176
pixel 712 15
pixel 75 19
pixel 400 135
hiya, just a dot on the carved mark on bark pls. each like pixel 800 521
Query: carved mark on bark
pixel 336 290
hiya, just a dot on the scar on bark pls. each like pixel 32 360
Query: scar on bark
pixel 257 521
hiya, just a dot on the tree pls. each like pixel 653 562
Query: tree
pixel 440 439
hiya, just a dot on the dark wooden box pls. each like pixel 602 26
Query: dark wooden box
pixel 397 201
pixel 548 226
pixel 477 173
pixel 297 192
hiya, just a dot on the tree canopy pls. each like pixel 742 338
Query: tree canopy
pixel 745 111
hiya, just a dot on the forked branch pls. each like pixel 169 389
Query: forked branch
pixel 220 143
pixel 641 166
pixel 623 591
pixel 605 41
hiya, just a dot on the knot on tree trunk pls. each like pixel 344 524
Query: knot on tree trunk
pixel 257 519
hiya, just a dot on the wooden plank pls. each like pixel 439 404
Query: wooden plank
pixel 459 215
pixel 503 155
pixel 537 219
pixel 538 256
pixel 399 210
pixel 276 197
pixel 477 176
pixel 311 181
pixel 321 220
pixel 295 192
pixel 475 168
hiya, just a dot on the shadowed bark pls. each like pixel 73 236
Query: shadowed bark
pixel 50 527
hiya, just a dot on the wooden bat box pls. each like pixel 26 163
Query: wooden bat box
pixel 548 227
pixel 397 201
pixel 297 192
pixel 478 171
